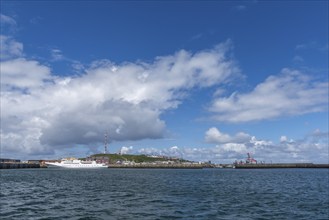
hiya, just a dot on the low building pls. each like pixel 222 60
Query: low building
pixel 41 162
pixel 3 160
pixel 100 159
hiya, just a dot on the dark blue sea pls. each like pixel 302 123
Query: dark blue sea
pixel 56 193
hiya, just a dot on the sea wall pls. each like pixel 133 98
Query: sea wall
pixel 160 166
pixel 20 165
pixel 280 165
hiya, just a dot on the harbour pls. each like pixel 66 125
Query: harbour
pixel 21 165
pixel 280 166
pixel 159 166
pixel 114 161
pixel 18 164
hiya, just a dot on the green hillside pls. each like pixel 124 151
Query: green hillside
pixel 136 158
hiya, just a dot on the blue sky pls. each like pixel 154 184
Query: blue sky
pixel 205 80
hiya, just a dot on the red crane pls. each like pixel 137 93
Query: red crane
pixel 250 160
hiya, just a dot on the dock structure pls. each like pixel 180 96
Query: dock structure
pixel 159 166
pixel 20 165
pixel 251 163
pixel 17 164
pixel 280 165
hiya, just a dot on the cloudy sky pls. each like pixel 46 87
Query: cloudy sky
pixel 199 80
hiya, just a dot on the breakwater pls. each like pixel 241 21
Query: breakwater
pixel 20 165
pixel 280 165
pixel 160 166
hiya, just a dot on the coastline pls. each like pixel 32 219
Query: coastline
pixel 159 166
pixel 280 165
pixel 21 165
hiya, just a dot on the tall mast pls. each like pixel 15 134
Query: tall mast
pixel 105 142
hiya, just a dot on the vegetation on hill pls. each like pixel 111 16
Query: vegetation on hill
pixel 136 158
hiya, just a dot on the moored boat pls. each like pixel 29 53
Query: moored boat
pixel 75 163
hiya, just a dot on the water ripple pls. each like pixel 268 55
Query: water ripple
pixel 164 194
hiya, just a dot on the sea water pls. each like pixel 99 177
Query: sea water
pixel 59 193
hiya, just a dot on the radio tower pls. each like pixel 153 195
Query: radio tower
pixel 105 142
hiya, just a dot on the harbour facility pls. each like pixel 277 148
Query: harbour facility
pixel 107 160
pixel 251 163
pixel 18 164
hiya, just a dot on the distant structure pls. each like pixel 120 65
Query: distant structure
pixel 3 160
pixel 106 142
pixel 250 159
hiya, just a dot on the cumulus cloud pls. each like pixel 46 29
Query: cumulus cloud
pixel 286 94
pixel 126 150
pixel 173 151
pixel 213 135
pixel 23 74
pixel 229 147
pixel 42 112
pixel 312 148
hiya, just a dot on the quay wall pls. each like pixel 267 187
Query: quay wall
pixel 280 165
pixel 20 165
pixel 160 166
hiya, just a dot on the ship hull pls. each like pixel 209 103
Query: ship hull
pixel 77 166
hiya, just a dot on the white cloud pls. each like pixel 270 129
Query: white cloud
pixel 78 66
pixel 126 150
pixel 23 74
pixel 313 45
pixel 8 24
pixel 57 55
pixel 233 147
pixel 283 139
pixel 289 93
pixel 126 99
pixel 173 151
pixel 213 135
pixel 6 20
pixel 9 48
pixel 312 148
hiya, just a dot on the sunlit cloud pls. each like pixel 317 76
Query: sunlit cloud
pixel 42 113
pixel 288 94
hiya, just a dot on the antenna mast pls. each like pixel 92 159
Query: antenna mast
pixel 105 142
